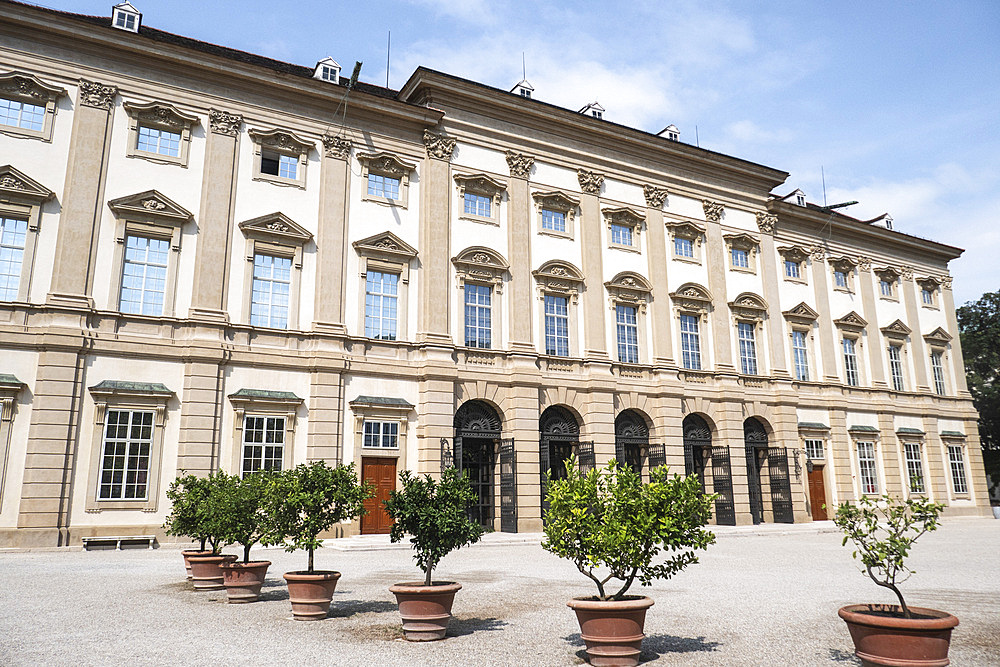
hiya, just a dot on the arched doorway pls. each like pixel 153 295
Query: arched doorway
pixel 558 437
pixel 710 461
pixel 477 440
pixel 759 452
pixel 631 439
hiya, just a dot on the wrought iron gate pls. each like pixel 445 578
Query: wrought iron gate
pixel 753 483
pixel 544 462
pixel 508 486
pixel 722 483
pixel 781 491
pixel 657 456
pixel 585 454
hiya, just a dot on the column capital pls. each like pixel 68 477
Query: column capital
pixel 766 222
pixel 336 147
pixel 906 272
pixel 946 281
pixel 438 146
pixel 97 95
pixel 519 163
pixel 223 122
pixel 713 210
pixel 590 181
pixel 654 196
pixel 864 263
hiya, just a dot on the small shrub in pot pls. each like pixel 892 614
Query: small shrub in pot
pixel 238 508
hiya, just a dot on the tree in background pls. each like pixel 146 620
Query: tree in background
pixel 979 328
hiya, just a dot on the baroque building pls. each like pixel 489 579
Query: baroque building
pixel 208 260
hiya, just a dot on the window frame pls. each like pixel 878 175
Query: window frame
pixel 863 487
pixel 383 409
pixel 629 288
pixel 853 354
pixel 798 256
pixel 690 231
pixel 889 276
pixel 695 318
pixel 382 163
pixel 911 464
pixel 949 447
pixel 744 243
pixel 276 235
pixel 626 218
pixel 932 287
pixel 282 142
pixel 22 87
pixel 561 279
pixel 749 363
pixel 275 258
pixel 125 263
pixel 560 202
pixel 381 435
pixel 483 333
pixel 387 253
pixel 159 116
pixel 806 335
pixel 691 299
pixel 846 266
pixel 480 265
pixel 629 347
pixel 242 431
pixel 262 403
pixel 898 379
pixel 482 185
pixel 813 438
pixel 382 296
pixel 937 371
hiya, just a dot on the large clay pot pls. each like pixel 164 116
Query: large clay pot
pixel 206 573
pixel 883 637
pixel 244 580
pixel 426 610
pixel 612 629
pixel 310 593
pixel 187 555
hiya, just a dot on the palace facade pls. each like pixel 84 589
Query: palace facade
pixel 210 259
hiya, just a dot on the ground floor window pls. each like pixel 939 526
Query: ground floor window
pixel 868 476
pixel 814 449
pixel 128 436
pixel 956 457
pixel 381 435
pixel 914 466
pixel 263 443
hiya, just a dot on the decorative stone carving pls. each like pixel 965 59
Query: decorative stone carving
pixel 28 87
pixel 655 196
pixel 897 330
pixel 626 216
pixel 686 229
pixel 160 114
pixel 386 246
pixel 557 201
pixel 282 141
pixel 276 228
pixel 938 338
pixel 16 186
pixel 693 298
pixel 11 183
pixel 946 281
pixel 906 272
pixel 851 322
pixel 336 147
pixel 887 273
pixel 748 307
pixel 801 314
pixel 97 95
pixel 519 163
pixel 151 207
pixel 818 253
pixel 438 146
pixel 482 265
pixel 386 164
pixel 481 184
pixel 558 277
pixel 794 253
pixel 590 181
pixel 223 122
pixel 864 263
pixel 766 222
pixel 713 210
pixel 629 288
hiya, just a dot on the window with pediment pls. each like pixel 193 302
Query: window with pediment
pixel 556 213
pixel 628 294
pixel 686 240
pixel 159 132
pixel 480 272
pixel 888 283
pixel 272 280
pixel 263 429
pixel 21 202
pixel 386 178
pixel 851 327
pixel 742 252
pixel 280 157
pixel 624 227
pixel 930 289
pixel 939 343
pixel 559 284
pixel 481 195
pixel 749 311
pixel 801 322
pixel 384 262
pixel 896 337
pixel 843 273
pixel 692 303
pixel 794 260
pixel 27 105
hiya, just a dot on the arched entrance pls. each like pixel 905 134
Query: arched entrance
pixel 477 440
pixel 709 461
pixel 631 439
pixel 558 437
pixel 775 476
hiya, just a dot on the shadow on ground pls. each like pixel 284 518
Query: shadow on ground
pixel 839 655
pixel 344 608
pixel 653 646
pixel 459 627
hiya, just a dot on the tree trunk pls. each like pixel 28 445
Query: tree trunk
pixel 246 554
pixel 427 576
pixel 203 540
pixel 310 561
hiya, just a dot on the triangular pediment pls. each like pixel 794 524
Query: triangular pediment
pixel 386 243
pixel 896 330
pixel 851 321
pixel 17 186
pixel 276 227
pixel 801 313
pixel 939 336
pixel 150 206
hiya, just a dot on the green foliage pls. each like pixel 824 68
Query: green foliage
pixel 188 495
pixel 236 509
pixel 308 500
pixel 883 531
pixel 435 515
pixel 979 330
pixel 608 519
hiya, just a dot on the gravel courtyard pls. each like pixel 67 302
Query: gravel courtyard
pixel 764 596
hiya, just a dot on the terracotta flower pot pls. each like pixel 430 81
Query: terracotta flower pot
pixel 187 555
pixel 243 580
pixel 883 637
pixel 612 629
pixel 311 593
pixel 206 573
pixel 426 610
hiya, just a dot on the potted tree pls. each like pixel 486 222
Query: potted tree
pixel 435 515
pixel 612 526
pixel 883 530
pixel 303 502
pixel 237 506
pixel 206 568
pixel 189 517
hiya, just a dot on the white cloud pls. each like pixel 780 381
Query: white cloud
pixel 747 131
pixel 472 11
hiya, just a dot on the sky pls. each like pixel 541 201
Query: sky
pixel 893 104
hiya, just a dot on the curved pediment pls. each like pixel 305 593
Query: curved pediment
pixel 482 265
pixel 21 85
pixel 559 277
pixel 160 114
pixel 482 184
pixel 748 306
pixel 629 288
pixel 794 253
pixel 386 163
pixel 692 297
pixel 150 206
pixel 282 140
pixel 623 215
pixel 555 199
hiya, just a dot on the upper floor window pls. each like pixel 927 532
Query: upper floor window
pixel 380 185
pixel 956 460
pixel 263 443
pixel 627 334
pixel 937 367
pixel 840 279
pixel 159 132
pixel 683 247
pixel 624 227
pixel 553 220
pixel 126 17
pixel 843 273
pixel 481 195
pixel 385 270
pixel 477 205
pixel 381 434
pixel 687 240
pixel 144 275
pixel 280 157
pixel 896 367
pixel 478 315
pixel 792 269
pixel 274 246
pixel 885 288
pixel 748 348
pixel 740 258
pixel 800 355
pixel 388 178
pixel 271 289
pixel 277 164
pixel 327 70
pixel 22 114
pixel 795 258
pixel 690 342
pixel 13 233
pixel 914 466
pixel 381 299
pixel 153 140
pixel 27 105
pixel 556 325
pixel 868 473
pixel 851 362
pixel 621 234
pixel 928 292
pixel 742 252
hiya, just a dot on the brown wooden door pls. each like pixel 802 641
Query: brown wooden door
pixel 817 494
pixel 381 473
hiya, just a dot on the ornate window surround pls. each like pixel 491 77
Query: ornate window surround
pixel 745 242
pixel 852 326
pixel 283 142
pixel 386 164
pixel 482 266
pixel 897 334
pixel 933 285
pixel 561 202
pixel 120 395
pixel 690 230
pixel 631 289
pixel 379 408
pixel 798 255
pixel 802 318
pixel 161 116
pixel 22 197
pixel 266 403
pixel 890 275
pixel 24 87
pixel 628 217
pixel 750 308
pixel 560 278
pixel 278 235
pixel 693 299
pixel 847 266
pixel 485 186
pixel 148 214
pixel 391 254
pixel 10 388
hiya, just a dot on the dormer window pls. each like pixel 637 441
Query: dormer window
pixel 593 109
pixel 327 70
pixel 126 17
pixel 523 88
pixel 800 199
pixel 670 133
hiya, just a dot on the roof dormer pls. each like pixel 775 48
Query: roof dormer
pixel 798 198
pixel 327 69
pixel 593 109
pixel 126 17
pixel 523 88
pixel 670 133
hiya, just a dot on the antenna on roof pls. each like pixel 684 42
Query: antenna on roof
pixel 524 70
pixel 697 141
pixel 823 175
pixel 388 48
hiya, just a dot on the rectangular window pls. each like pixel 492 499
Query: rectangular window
pixel 683 247
pixel 748 348
pixel 329 73
pixel 125 20
pixel 690 343
pixel 914 466
pixel 801 355
pixel 22 114
pixel 896 367
pixel 956 457
pixel 814 449
pixel 628 334
pixel 381 299
pixel 478 315
pixel 741 258
pixel 381 435
pixel 621 234
pixel 553 220
pixel 866 468
pixel 383 186
pixel 12 236
pixel 556 326
pixel 927 296
pixel 791 269
pixel 885 287
pixel 144 275
pixel 152 140
pixel 840 279
pixel 263 443
pixel 477 205
pixel 278 164
pixel 269 299
pixel 938 369
pixel 851 362
pixel 128 436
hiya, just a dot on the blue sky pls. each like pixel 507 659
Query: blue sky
pixel 897 102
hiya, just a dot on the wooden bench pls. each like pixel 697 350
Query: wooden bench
pixel 118 540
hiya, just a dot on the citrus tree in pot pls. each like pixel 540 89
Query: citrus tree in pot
pixel 883 531
pixel 435 515
pixel 190 516
pixel 613 527
pixel 237 507
pixel 304 502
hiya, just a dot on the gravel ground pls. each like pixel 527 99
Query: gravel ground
pixel 758 597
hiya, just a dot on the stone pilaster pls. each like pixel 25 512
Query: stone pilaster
pixel 521 423
pixel 519 219
pixel 327 417
pixel 592 240
pixel 203 400
pixel 435 241
pixel 948 303
pixel 891 453
pixel 841 456
pixel 215 218
pixel 767 223
pixel 662 353
pixel 331 235
pixel 908 287
pixel 829 343
pixel 938 467
pixel 715 251
pixel 436 414
pixel 870 309
pixel 83 196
